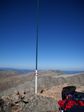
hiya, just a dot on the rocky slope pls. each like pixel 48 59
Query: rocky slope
pixel 21 98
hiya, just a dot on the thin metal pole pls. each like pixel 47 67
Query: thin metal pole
pixel 36 71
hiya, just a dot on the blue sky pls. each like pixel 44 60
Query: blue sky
pixel 61 34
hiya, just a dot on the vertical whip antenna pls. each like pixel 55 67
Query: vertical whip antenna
pixel 36 68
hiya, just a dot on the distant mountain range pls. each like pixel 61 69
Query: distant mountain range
pixel 73 71
pixel 24 71
pixel 18 71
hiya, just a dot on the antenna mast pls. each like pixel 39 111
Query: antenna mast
pixel 36 68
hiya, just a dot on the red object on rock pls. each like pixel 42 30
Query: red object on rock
pixel 68 104
pixel 81 103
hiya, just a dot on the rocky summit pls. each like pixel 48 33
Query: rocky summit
pixel 17 91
